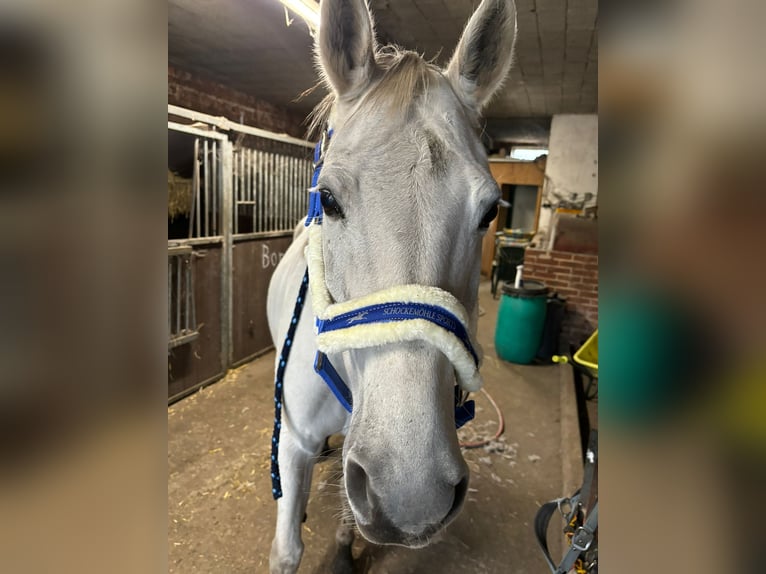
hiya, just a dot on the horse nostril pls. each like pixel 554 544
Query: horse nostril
pixel 461 488
pixel 357 487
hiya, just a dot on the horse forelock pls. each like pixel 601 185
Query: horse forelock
pixel 404 78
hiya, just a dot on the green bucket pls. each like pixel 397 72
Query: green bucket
pixel 520 321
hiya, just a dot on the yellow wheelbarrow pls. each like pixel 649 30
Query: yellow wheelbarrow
pixel 586 358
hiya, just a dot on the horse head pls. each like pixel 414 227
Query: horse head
pixel 407 197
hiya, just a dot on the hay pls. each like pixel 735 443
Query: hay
pixel 180 194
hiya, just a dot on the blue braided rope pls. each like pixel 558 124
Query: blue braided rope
pixel 276 479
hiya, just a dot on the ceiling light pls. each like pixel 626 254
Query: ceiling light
pixel 306 9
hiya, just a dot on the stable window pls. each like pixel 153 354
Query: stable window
pixel 527 153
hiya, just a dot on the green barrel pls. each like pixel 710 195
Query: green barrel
pixel 520 321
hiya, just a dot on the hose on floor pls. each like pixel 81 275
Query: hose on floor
pixel 500 426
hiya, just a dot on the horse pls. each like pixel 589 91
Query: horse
pixel 406 197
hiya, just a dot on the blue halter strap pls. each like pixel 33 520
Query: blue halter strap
pixel 386 313
pixel 396 311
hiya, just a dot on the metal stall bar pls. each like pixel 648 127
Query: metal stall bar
pixel 273 187
pixel 215 190
pixel 195 131
pixel 235 191
pixel 189 301
pixel 247 178
pixel 289 191
pixel 244 179
pixel 259 189
pixel 206 186
pixel 197 191
pixel 246 175
pixel 227 292
pixel 253 180
pixel 193 306
pixel 253 190
pixel 266 190
pixel 177 259
pixel 280 190
pixel 275 196
pixel 245 172
pixel 213 169
pixel 195 199
pixel 227 125
pixel 296 199
pixel 256 203
pixel 297 190
pixel 242 173
pixel 266 205
pixel 248 188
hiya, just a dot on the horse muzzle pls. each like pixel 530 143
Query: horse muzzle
pixel 404 513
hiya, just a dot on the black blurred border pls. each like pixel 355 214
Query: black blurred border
pixel 83 99
pixel 83 95
pixel 682 113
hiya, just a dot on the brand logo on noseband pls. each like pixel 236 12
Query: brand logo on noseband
pixel 417 312
pixel 358 317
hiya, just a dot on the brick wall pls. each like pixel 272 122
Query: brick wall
pixel 575 278
pixel 190 91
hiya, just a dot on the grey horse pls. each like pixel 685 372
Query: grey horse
pixel 407 196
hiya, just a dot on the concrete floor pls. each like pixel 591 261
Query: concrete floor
pixel 221 514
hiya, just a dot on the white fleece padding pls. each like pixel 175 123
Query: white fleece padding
pixel 320 296
pixel 363 336
pixel 375 334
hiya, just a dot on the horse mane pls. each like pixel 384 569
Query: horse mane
pixel 405 76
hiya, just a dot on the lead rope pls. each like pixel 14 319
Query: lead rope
pixel 279 379
pixel 276 479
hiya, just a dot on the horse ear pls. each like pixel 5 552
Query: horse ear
pixel 483 55
pixel 346 46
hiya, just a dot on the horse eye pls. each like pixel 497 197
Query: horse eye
pixel 488 217
pixel 330 205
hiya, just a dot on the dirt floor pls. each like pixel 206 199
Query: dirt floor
pixel 221 514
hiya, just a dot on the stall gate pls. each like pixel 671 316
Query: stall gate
pixel 230 222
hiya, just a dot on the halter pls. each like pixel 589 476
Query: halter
pixel 397 314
